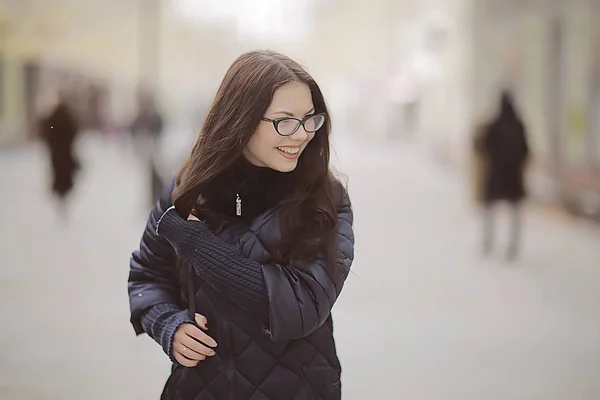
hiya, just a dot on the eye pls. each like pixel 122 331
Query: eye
pixel 287 123
pixel 314 122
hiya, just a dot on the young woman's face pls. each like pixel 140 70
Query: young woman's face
pixel 267 148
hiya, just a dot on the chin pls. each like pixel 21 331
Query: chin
pixel 285 167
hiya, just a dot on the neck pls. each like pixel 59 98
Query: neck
pixel 258 189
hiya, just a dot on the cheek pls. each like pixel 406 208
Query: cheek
pixel 309 138
pixel 264 139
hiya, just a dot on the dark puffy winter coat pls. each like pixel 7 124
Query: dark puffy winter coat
pixel 59 131
pixel 293 358
pixel 505 149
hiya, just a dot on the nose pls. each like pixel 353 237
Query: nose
pixel 300 135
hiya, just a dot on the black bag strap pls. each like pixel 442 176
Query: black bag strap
pixel 191 292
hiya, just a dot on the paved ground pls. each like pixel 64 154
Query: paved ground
pixel 422 316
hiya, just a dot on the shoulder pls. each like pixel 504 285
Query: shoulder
pixel 345 216
pixel 339 192
pixel 341 199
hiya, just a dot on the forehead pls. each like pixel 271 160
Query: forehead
pixel 293 97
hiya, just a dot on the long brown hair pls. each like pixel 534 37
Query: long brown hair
pixel 308 214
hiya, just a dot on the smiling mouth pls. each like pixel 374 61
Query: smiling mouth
pixel 289 150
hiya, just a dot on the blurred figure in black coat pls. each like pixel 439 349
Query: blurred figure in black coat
pixel 58 131
pixel 503 145
pixel 146 130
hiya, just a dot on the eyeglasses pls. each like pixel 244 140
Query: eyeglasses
pixel 287 126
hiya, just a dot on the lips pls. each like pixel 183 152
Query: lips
pixel 289 150
pixel 291 153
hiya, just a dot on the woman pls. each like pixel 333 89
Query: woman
pixel 59 131
pixel 505 150
pixel 264 235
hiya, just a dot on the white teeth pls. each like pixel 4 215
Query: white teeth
pixel 289 150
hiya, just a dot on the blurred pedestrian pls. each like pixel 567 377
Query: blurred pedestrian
pixel 58 131
pixel 505 151
pixel 146 130
pixel 147 126
pixel 264 234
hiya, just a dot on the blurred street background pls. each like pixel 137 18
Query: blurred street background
pixel 425 315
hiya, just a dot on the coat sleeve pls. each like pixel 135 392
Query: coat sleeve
pixel 301 296
pixel 294 300
pixel 152 276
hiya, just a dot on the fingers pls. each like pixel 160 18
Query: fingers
pixel 196 347
pixel 202 321
pixel 190 353
pixel 196 334
pixel 191 345
pixel 184 361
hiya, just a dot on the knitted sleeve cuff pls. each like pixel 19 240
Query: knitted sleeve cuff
pixel 161 322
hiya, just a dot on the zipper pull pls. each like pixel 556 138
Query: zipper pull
pixel 238 205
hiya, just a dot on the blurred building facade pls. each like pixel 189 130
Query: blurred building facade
pixel 426 70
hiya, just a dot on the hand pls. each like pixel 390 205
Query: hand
pixel 192 217
pixel 190 344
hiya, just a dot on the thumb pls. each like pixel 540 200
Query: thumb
pixel 202 321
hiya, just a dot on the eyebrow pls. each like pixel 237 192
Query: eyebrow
pixel 289 114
